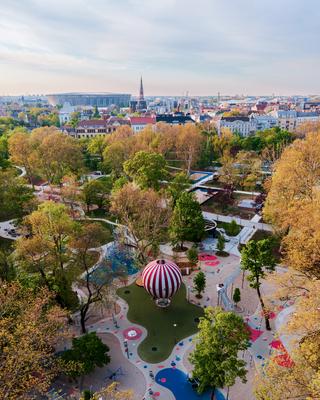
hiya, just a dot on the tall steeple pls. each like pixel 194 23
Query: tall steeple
pixel 141 96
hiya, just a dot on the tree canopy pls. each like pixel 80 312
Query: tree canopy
pixel 215 357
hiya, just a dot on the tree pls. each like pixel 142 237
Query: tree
pixel 16 198
pixel 88 352
pixel 70 192
pixel 96 113
pixel 199 282
pixel 248 168
pixel 30 328
pixel 221 244
pixel 111 393
pixel 7 269
pixel 179 184
pixel 21 153
pixel 192 255
pixel 147 169
pixel 75 118
pixel 84 240
pixel 300 378
pixel 222 335
pixel 56 155
pixel 97 146
pixel 96 192
pixel 188 145
pixel 187 222
pixel 143 216
pixel 236 296
pixel 257 259
pixel 228 173
pixel 295 180
pixel 114 157
pixel 46 251
pixel 222 143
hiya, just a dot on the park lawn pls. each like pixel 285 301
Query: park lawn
pixel 159 322
pixel 227 227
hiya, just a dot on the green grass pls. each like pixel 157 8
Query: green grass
pixel 227 226
pixel 159 322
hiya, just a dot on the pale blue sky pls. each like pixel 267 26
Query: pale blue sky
pixel 200 46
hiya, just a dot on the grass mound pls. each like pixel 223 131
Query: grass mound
pixel 166 326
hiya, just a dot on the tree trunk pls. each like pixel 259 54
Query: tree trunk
pixel 83 313
pixel 268 327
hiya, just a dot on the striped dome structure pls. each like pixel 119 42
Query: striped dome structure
pixel 161 279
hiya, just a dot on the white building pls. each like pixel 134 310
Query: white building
pixel 244 126
pixel 139 123
pixel 65 113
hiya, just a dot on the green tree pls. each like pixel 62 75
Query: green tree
pixel 75 118
pixel 236 295
pixel 114 157
pixel 147 169
pixel 96 113
pixel 187 222
pixel 177 186
pixel 221 244
pixel 233 228
pixel 199 282
pixel 215 360
pixel 16 198
pixel 97 146
pixel 192 255
pixel 7 268
pixel 46 251
pixel 119 183
pixel 96 192
pixel 88 352
pixel 257 259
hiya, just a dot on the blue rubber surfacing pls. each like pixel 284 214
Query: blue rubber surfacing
pixel 177 381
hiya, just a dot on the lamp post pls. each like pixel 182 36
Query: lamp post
pixel 175 339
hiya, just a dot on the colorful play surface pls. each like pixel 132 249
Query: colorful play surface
pixel 177 381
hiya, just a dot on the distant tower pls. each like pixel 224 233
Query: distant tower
pixel 141 96
pixel 142 104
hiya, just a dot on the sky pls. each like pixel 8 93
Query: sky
pixel 197 46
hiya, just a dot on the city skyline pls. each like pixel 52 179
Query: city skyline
pixel 256 49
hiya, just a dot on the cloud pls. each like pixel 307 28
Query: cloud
pixel 177 45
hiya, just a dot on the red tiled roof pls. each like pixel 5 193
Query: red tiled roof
pixel 142 120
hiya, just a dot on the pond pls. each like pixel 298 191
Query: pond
pixel 119 261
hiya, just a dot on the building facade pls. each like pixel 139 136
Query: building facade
pixel 139 123
pixel 90 99
pixel 95 127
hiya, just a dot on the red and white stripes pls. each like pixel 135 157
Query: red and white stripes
pixel 161 279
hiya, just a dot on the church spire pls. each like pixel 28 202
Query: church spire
pixel 141 95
